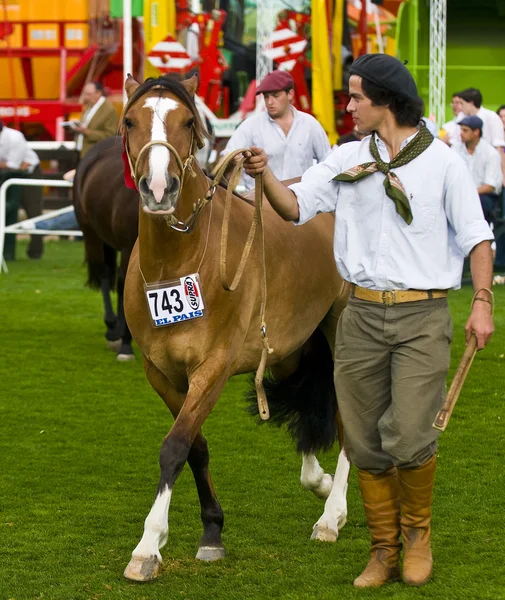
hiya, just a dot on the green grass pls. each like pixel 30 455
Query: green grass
pixel 79 442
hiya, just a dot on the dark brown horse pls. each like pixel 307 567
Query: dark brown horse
pixel 107 212
pixel 213 333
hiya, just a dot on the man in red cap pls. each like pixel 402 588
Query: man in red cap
pixel 291 139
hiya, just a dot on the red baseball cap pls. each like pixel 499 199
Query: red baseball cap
pixel 276 81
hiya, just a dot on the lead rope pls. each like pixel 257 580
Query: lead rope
pixel 257 220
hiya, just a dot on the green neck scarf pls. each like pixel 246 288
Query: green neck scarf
pixel 394 187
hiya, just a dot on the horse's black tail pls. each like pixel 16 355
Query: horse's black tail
pixel 98 271
pixel 306 401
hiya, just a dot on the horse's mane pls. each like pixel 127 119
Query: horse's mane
pixel 170 84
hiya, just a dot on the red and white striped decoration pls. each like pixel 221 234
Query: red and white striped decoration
pixel 169 56
pixel 285 47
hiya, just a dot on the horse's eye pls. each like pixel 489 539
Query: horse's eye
pixel 189 123
pixel 128 123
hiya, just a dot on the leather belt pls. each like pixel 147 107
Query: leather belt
pixel 391 297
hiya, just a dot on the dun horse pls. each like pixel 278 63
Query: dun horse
pixel 213 333
pixel 107 212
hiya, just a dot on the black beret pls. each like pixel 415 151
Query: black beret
pixel 386 72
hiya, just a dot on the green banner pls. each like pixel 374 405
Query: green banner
pixel 116 8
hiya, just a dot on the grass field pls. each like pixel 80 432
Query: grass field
pixel 79 442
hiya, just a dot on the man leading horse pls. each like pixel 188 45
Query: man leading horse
pixel 407 214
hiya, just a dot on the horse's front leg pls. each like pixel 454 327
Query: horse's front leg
pixel 335 508
pixel 177 447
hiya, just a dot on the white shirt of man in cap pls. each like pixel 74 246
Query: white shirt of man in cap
pixel 291 139
pixel 407 213
pixel 483 162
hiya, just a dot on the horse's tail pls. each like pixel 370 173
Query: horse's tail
pixel 101 269
pixel 306 401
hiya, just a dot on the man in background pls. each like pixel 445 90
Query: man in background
pixel 99 119
pixel 483 162
pixel 292 139
pixel 471 105
pixel 17 159
pixel 449 132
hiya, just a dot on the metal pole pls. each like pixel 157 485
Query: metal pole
pixel 127 42
pixel 265 23
pixel 438 42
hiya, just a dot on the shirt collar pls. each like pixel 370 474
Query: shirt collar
pixel 293 110
pixel 382 146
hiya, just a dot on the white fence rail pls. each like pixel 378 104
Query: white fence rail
pixel 29 226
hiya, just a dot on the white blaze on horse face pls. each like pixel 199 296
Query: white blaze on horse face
pixel 159 156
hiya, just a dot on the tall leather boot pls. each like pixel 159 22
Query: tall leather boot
pixel 382 510
pixel 416 488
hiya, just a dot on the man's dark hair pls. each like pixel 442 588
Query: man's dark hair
pixel 471 95
pixel 406 111
pixel 1 124
pixel 99 87
pixel 456 95
pixel 500 108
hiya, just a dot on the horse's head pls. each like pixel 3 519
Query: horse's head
pixel 161 129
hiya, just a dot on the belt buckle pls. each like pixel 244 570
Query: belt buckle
pixel 388 297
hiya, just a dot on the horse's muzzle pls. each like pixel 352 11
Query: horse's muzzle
pixel 163 206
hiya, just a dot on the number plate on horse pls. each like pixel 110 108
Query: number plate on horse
pixel 175 301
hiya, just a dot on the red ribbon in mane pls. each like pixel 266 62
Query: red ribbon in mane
pixel 128 179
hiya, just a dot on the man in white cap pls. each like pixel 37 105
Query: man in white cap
pixel 291 139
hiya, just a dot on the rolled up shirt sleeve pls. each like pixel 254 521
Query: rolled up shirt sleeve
pixel 493 174
pixel 316 192
pixel 463 208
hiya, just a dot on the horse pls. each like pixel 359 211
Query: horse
pixel 194 335
pixel 107 213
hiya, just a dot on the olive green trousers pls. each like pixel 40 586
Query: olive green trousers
pixel 391 364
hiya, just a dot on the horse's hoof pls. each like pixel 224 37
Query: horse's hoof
pixel 142 569
pixel 114 345
pixel 324 534
pixel 125 357
pixel 210 553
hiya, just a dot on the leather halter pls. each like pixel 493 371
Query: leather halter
pixel 186 167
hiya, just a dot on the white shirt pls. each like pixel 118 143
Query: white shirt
pixel 484 164
pixel 373 246
pixel 452 129
pixel 14 150
pixel 288 155
pixel 492 130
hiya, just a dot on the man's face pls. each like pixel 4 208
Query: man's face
pixel 90 94
pixel 365 115
pixel 469 135
pixel 501 114
pixel 278 103
pixel 467 107
pixel 456 105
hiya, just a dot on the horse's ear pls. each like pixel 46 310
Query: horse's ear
pixel 191 84
pixel 130 85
